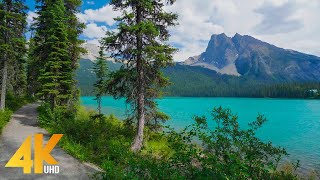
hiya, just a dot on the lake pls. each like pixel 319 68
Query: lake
pixel 292 124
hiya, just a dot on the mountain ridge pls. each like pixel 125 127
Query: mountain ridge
pixel 241 66
pixel 244 55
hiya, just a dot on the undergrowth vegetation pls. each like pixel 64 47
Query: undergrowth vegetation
pixel 196 152
pixel 13 103
pixel 4 118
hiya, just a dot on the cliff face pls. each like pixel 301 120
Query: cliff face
pixel 247 56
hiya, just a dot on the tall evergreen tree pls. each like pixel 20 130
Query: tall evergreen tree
pixel 140 45
pixel 38 49
pixel 33 69
pixel 12 45
pixel 74 29
pixel 56 73
pixel 55 51
pixel 100 69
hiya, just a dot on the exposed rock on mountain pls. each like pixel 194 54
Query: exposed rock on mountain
pixel 250 57
pixel 92 51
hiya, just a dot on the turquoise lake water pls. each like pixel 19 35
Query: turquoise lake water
pixel 292 124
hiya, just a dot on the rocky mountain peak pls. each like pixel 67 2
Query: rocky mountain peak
pixel 244 55
pixel 220 51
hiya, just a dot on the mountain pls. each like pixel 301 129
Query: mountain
pixel 241 66
pixel 86 77
pixel 251 58
pixel 92 51
pixel 202 82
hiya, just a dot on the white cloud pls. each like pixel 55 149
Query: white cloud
pixel 306 39
pixel 93 41
pixel 30 17
pixel 104 14
pixel 198 20
pixel 94 31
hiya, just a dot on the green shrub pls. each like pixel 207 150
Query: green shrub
pixel 4 118
pixel 15 102
pixel 226 151
pixel 197 152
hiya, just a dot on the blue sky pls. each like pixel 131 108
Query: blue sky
pixel 93 4
pixel 290 24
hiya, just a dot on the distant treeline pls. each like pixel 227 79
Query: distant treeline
pixel 201 82
pixel 191 81
pixel 290 90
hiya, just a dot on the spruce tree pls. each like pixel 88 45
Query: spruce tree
pixel 100 69
pixel 55 51
pixel 141 45
pixel 12 46
pixel 38 49
pixel 74 29
pixel 56 74
pixel 33 69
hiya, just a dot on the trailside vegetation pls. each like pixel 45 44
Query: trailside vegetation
pixel 12 49
pixel 226 151
pixel 140 44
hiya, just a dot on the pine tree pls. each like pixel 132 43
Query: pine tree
pixel 56 74
pixel 33 69
pixel 74 29
pixel 100 69
pixel 12 46
pixel 38 49
pixel 140 45
pixel 55 51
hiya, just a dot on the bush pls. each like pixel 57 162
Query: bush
pixel 227 151
pixel 197 152
pixel 4 118
pixel 15 102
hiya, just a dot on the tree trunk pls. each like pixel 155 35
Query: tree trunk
pixel 99 105
pixel 5 70
pixel 138 140
pixel 4 85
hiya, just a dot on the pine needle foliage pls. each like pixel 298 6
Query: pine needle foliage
pixel 141 44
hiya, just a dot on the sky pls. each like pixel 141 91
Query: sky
pixel 290 24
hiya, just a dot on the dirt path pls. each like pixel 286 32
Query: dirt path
pixel 22 124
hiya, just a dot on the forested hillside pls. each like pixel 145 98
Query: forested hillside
pixel 86 76
pixel 203 82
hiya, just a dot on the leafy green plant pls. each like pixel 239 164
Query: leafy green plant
pixel 140 79
pixel 226 151
pixel 14 102
pixel 197 152
pixel 4 118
